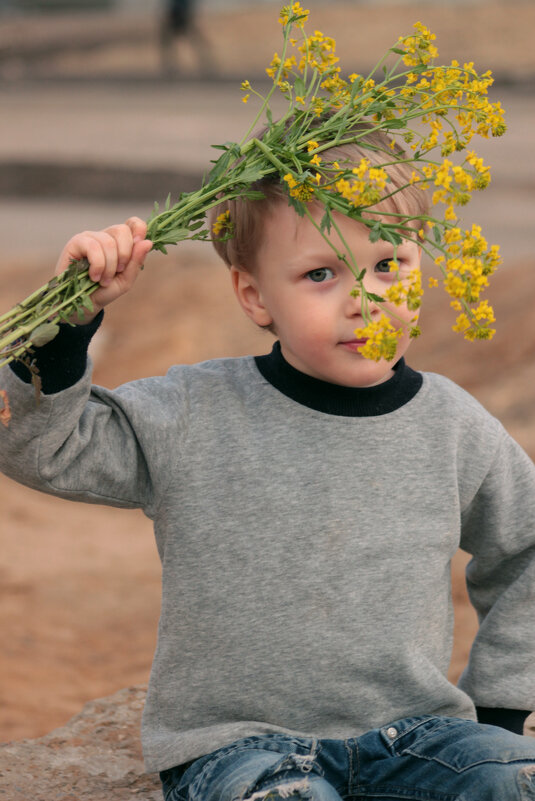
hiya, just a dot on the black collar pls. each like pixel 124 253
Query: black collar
pixel 334 399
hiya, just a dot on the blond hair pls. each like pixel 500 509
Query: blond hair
pixel 248 215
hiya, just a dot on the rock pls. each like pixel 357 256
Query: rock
pixel 96 755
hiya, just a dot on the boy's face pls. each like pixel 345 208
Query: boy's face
pixel 301 288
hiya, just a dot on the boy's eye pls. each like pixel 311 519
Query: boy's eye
pixel 383 266
pixel 321 274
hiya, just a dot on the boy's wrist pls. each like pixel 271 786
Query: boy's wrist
pixel 61 363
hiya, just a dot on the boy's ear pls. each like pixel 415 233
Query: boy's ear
pixel 249 296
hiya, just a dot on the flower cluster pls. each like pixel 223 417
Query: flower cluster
pixel 407 292
pixel 418 48
pixel 381 339
pixel 450 106
pixel 223 226
pixel 427 114
pixel 299 188
pixel 366 189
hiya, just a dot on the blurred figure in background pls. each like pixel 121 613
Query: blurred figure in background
pixel 178 23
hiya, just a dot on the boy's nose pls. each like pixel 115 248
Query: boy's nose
pixel 354 304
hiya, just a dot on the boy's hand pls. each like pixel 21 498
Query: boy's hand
pixel 115 257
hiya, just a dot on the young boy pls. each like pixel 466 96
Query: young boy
pixel 306 506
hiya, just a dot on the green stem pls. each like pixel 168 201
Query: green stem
pixel 271 91
pixel 268 153
pixel 52 314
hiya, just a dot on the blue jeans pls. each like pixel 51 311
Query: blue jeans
pixel 415 759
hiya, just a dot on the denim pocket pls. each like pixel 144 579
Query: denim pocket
pixel 462 744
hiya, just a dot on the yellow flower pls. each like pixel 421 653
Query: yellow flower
pixel 294 13
pixel 274 66
pixel 484 312
pixel 415 290
pixel 418 47
pixel 396 294
pixel 245 98
pixel 318 52
pixel 316 160
pixel 223 223
pixel 462 323
pixel 300 190
pixel 381 339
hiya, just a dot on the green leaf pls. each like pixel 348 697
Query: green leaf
pixel 376 232
pixel 222 163
pixel 43 333
pixel 393 124
pixel 297 205
pixel 398 51
pixel 374 297
pixel 326 222
pixel 392 236
pixel 299 87
pixel 252 194
pixel 87 303
pixel 251 174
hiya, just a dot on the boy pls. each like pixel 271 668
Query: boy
pixel 306 506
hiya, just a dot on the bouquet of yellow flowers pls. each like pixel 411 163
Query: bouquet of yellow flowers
pixel 432 111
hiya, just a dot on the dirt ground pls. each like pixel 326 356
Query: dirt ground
pixel 79 585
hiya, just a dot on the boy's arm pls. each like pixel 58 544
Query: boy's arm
pixel 80 442
pixel 499 532
pixel 115 257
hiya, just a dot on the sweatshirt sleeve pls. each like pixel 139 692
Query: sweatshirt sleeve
pixel 92 444
pixel 62 361
pixel 498 530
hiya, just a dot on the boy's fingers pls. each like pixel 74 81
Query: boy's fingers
pixel 84 245
pixel 108 252
pixel 124 242
pixel 111 249
pixel 127 236
pixel 141 250
pixel 138 228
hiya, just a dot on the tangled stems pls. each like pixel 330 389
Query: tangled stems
pixel 33 322
pixel 426 114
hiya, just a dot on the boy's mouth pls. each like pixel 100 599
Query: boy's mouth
pixel 353 344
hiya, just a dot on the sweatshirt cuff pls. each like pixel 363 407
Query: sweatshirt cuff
pixel 511 719
pixel 62 361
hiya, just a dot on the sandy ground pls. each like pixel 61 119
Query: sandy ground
pixel 79 584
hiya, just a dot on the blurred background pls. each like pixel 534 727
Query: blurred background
pixel 110 105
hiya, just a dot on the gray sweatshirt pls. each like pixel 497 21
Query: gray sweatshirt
pixel 305 555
